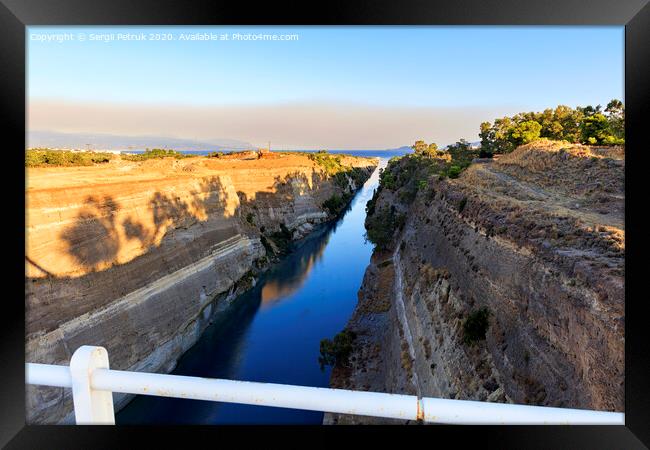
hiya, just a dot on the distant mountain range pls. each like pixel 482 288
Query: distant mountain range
pixel 104 141
pixel 403 148
pixel 101 141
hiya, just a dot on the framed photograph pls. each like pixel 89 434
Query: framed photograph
pixel 368 219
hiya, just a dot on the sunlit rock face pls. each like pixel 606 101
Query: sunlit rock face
pixel 537 239
pixel 138 257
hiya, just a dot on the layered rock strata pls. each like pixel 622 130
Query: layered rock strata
pixel 536 239
pixel 138 257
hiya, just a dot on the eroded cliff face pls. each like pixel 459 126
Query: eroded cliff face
pixel 537 239
pixel 138 257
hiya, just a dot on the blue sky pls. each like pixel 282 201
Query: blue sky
pixel 497 70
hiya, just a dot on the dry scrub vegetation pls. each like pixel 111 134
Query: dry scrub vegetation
pixel 565 199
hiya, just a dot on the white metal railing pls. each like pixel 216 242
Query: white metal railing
pixel 93 383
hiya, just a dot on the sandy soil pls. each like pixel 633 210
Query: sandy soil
pixel 122 171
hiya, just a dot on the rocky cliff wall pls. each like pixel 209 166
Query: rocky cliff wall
pixel 537 240
pixel 138 257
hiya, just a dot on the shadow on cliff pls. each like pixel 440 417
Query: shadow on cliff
pixel 96 237
pixel 165 241
pixel 263 210
pixel 284 191
pixel 101 229
pixel 93 239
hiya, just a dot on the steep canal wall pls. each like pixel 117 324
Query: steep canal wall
pixel 138 257
pixel 504 285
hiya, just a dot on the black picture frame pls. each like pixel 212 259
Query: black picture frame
pixel 15 15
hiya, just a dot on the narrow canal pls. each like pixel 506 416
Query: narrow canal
pixel 272 333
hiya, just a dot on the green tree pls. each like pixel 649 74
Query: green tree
pixel 422 149
pixel 588 111
pixel 337 350
pixel 525 132
pixel 419 147
pixel 462 153
pixel 596 130
pixel 503 128
pixel 588 125
pixel 382 225
pixel 616 117
pixel 569 119
pixel 487 139
pixel 551 125
pixel 615 108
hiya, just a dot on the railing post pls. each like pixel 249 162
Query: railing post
pixel 91 407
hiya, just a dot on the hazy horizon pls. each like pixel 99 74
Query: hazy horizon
pixel 333 87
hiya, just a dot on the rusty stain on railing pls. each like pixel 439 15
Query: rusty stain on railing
pixel 419 416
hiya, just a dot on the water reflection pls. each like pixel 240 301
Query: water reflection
pixel 282 285
pixel 272 333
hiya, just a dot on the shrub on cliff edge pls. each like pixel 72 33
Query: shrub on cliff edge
pixel 381 226
pixel 46 157
pixel 330 163
pixel 476 326
pixel 336 203
pixel 156 153
pixel 337 350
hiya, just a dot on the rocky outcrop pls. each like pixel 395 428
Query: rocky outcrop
pixel 138 257
pixel 536 240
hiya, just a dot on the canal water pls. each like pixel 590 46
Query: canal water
pixel 272 333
